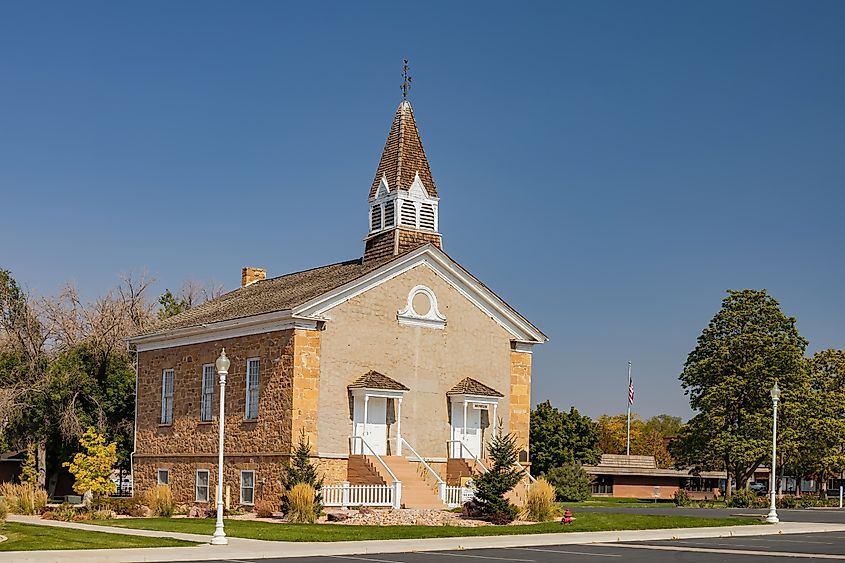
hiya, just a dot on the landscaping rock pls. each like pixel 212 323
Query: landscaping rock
pixel 197 512
pixel 337 516
pixel 140 511
pixel 404 517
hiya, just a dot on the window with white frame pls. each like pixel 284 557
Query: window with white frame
pixel 253 369
pixel 163 477
pixel 202 485
pixel 167 396
pixel 207 393
pixel 247 487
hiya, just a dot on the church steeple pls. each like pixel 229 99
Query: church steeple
pixel 403 198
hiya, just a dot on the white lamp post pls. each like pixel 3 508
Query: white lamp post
pixel 219 537
pixel 772 517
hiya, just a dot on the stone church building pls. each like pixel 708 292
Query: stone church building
pixel 396 364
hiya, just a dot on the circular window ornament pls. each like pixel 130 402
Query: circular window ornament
pixel 421 309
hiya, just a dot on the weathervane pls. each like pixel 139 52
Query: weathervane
pixel 406 84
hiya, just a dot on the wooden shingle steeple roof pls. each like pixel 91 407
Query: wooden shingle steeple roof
pixel 403 156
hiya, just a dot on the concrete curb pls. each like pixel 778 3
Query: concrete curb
pixel 256 549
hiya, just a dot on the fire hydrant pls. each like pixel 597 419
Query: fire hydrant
pixel 567 516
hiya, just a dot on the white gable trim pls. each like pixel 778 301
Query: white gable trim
pixel 418 190
pixel 450 271
pixel 383 189
pixel 257 324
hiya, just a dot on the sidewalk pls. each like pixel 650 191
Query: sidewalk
pixel 245 549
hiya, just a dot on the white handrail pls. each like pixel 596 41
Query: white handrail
pixel 419 457
pixel 524 470
pixel 378 457
pixel 472 455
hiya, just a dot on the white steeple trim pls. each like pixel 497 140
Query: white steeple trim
pixel 417 190
pixel 431 318
pixel 420 212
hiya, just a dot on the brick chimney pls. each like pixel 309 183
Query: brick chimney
pixel 252 275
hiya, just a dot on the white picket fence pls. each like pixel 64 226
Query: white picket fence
pixel 346 495
pixel 454 496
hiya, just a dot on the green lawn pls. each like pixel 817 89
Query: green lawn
pixel 28 537
pixel 585 522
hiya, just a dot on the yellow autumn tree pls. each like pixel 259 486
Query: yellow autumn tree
pixel 92 467
pixel 29 472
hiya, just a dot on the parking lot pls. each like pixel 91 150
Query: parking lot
pixel 746 549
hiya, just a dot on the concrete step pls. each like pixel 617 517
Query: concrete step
pixel 416 492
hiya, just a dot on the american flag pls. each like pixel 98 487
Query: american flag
pixel 630 391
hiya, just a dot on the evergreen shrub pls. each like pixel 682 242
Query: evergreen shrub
pixel 571 482
pixel 492 486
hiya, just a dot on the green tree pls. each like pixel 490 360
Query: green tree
pixel 171 305
pixel 666 425
pixel 492 486
pixel 93 466
pixel 822 429
pixel 559 437
pixel 571 482
pixel 748 345
pixel 301 470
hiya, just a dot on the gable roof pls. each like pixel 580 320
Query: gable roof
pixel 469 386
pixel 375 380
pixel 267 296
pixel 304 297
pixel 403 156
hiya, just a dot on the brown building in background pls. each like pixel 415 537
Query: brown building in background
pixel 637 476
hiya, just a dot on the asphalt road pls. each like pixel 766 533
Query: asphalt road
pixel 756 549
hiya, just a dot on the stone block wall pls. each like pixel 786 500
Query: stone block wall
pixel 520 397
pixel 288 398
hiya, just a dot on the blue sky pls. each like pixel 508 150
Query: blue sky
pixel 609 168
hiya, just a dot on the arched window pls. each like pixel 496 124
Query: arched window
pixel 409 214
pixel 375 218
pixel 427 216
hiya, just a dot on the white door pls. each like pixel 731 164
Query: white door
pixel 469 434
pixel 375 430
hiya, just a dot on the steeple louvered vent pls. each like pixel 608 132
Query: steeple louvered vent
pixel 375 219
pixel 389 213
pixel 409 214
pixel 427 216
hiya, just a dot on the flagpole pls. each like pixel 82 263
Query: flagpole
pixel 628 449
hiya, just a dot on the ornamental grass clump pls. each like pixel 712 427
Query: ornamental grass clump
pixel 160 501
pixel 540 502
pixel 301 504
pixel 4 510
pixel 23 498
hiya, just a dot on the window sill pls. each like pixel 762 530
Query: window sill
pixel 250 420
pixel 164 424
pixel 205 422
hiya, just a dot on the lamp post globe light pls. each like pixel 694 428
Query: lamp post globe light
pixel 772 517
pixel 219 537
